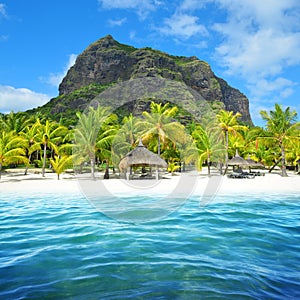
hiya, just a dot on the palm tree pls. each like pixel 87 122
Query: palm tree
pixel 104 145
pixel 85 135
pixel 256 147
pixel 11 149
pixel 158 124
pixel 15 122
pixel 282 128
pixel 229 124
pixel 130 129
pixel 61 163
pixel 158 108
pixel 244 142
pixel 126 138
pixel 30 135
pixel 265 155
pixel 50 135
pixel 173 165
pixel 207 145
pixel 293 154
pixel 87 130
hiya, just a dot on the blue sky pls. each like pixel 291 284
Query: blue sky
pixel 254 45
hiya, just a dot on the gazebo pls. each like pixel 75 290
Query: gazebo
pixel 141 157
pixel 238 161
pixel 253 164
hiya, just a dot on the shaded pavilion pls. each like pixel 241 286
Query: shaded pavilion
pixel 253 164
pixel 238 161
pixel 141 157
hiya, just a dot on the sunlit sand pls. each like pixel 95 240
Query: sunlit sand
pixel 189 184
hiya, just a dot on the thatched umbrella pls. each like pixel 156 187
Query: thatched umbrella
pixel 141 157
pixel 238 161
pixel 253 164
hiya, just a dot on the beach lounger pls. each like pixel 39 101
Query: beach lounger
pixel 241 175
pixel 258 173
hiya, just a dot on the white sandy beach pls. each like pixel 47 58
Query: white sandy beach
pixel 187 185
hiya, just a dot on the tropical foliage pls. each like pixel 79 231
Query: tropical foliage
pixel 207 145
pixel 160 128
pixel 228 122
pixel 100 138
pixel 61 163
pixel 87 131
pixel 50 135
pixel 11 149
pixel 282 130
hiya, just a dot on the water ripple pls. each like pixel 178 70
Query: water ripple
pixel 59 247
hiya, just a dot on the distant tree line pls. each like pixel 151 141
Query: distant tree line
pixel 100 139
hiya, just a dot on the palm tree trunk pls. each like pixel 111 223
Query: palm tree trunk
pixel 44 160
pixel 106 174
pixel 226 154
pixel 0 170
pixel 92 160
pixel 208 164
pixel 273 167
pixel 29 159
pixel 158 146
pixel 221 167
pixel 283 166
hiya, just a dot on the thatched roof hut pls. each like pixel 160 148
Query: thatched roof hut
pixel 238 161
pixel 141 157
pixel 254 164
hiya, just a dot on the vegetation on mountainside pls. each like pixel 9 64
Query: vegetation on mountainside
pixel 63 108
pixel 159 74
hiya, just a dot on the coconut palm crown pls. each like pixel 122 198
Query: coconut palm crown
pixel 282 128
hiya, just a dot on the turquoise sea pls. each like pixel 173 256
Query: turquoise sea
pixel 59 247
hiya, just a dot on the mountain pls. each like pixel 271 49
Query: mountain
pixel 123 77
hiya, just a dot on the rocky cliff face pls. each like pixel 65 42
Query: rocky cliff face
pixel 107 61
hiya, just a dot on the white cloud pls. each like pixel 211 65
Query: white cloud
pixel 282 87
pixel 261 37
pixel 142 7
pixel 189 5
pixel 256 106
pixel 118 22
pixel 19 99
pixel 271 13
pixel 3 10
pixel 264 53
pixel 259 41
pixel 133 4
pixel 264 93
pixel 132 34
pixel 3 14
pixel 3 37
pixel 56 78
pixel 255 109
pixel 286 92
pixel 183 26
